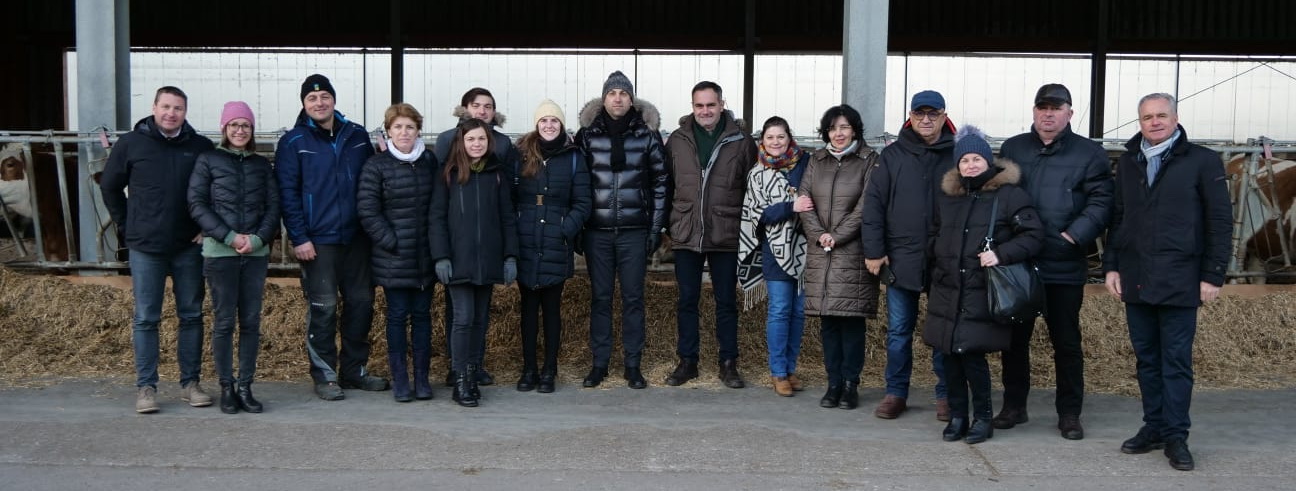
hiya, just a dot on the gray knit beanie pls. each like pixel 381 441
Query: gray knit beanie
pixel 618 80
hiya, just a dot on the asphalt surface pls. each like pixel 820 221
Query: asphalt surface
pixel 79 434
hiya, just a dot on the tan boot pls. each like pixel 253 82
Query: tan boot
pixel 782 386
pixel 146 400
pixel 795 382
pixel 194 395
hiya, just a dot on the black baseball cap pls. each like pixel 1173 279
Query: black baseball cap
pixel 1056 94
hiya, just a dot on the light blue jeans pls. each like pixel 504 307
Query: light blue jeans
pixel 784 325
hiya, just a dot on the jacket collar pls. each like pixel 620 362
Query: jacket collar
pixel 647 114
pixel 1058 144
pixel 1134 145
pixel 910 141
pixel 1009 173
pixel 147 127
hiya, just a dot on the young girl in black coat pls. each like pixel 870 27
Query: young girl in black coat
pixel 959 322
pixel 474 244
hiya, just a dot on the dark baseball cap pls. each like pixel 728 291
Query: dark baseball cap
pixel 927 98
pixel 1056 94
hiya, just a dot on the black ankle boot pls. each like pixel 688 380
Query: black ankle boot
pixel 980 431
pixel 463 390
pixel 245 400
pixel 527 382
pixel 228 401
pixel 850 396
pixel 399 377
pixel 831 398
pixel 956 429
pixel 595 376
pixel 422 369
pixel 451 376
pixel 547 377
pixel 474 379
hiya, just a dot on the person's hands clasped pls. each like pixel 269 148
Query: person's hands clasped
pixel 826 241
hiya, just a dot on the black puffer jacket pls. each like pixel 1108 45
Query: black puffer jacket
pixel 237 193
pixel 473 224
pixel 552 208
pixel 636 196
pixel 958 312
pixel 900 202
pixel 156 219
pixel 1070 182
pixel 393 203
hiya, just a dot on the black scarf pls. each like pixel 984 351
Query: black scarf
pixel 975 183
pixel 617 129
pixel 549 148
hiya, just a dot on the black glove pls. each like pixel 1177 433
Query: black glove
pixel 444 271
pixel 510 270
pixel 654 242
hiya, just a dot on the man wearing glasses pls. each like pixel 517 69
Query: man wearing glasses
pixel 898 206
pixel 1070 182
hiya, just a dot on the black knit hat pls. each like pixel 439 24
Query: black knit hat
pixel 317 82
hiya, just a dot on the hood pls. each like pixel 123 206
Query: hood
pixel 1009 173
pixel 462 113
pixel 147 128
pixel 646 110
pixel 731 123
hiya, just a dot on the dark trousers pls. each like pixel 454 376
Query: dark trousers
pixel 724 283
pixel 968 373
pixel 843 348
pixel 237 286
pixel 1163 342
pixel 549 301
pixel 472 309
pixel 1063 321
pixel 412 307
pixel 338 269
pixel 611 255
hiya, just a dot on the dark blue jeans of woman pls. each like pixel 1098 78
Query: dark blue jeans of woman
pixel 471 312
pixel 784 325
pixel 237 287
pixel 843 348
pixel 412 307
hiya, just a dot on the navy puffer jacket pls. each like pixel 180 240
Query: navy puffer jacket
pixel 552 207
pixel 393 206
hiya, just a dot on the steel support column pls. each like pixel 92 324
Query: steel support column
pixel 864 56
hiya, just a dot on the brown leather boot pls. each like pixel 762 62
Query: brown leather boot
pixel 782 386
pixel 942 410
pixel 891 407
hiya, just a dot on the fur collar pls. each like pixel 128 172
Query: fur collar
pixel 1009 173
pixel 462 113
pixel 647 111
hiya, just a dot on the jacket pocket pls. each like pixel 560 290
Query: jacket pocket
pixel 681 221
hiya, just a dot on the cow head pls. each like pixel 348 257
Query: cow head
pixel 12 169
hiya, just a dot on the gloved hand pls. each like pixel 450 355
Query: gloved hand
pixel 444 271
pixel 510 270
pixel 654 241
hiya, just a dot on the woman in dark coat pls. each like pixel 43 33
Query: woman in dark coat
pixel 553 200
pixel 234 198
pixel 959 323
pixel 392 203
pixel 473 231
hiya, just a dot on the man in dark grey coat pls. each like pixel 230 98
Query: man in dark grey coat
pixel 1168 254
pixel 1069 179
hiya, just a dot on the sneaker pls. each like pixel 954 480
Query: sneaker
pixel 194 395
pixel 329 391
pixel 366 382
pixel 146 400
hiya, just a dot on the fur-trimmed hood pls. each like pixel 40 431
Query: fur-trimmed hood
pixel 462 113
pixel 687 119
pixel 646 110
pixel 1009 173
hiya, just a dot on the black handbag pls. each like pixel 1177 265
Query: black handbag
pixel 1014 291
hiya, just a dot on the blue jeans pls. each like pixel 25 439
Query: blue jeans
pixel 784 325
pixel 902 316
pixel 148 280
pixel 412 306
pixel 1163 342
pixel 237 287
pixel 724 286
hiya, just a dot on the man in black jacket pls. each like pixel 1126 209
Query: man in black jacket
pixel 155 161
pixel 1168 254
pixel 899 203
pixel 1069 179
pixel 628 176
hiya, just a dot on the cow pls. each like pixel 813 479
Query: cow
pixel 1264 200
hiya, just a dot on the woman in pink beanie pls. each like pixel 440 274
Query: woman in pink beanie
pixel 234 198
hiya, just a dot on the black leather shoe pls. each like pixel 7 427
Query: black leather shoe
pixel 850 396
pixel 1180 458
pixel 980 431
pixel 955 430
pixel 729 375
pixel 450 378
pixel 463 391
pixel 685 371
pixel 1145 441
pixel 831 398
pixel 1009 417
pixel 1069 426
pixel 228 401
pixel 595 376
pixel 634 378
pixel 546 384
pixel 243 394
pixel 527 382
pixel 484 377
pixel 471 375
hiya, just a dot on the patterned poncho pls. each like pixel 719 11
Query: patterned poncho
pixel 767 186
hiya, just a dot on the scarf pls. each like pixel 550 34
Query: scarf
pixel 767 186
pixel 841 153
pixel 237 153
pixel 975 183
pixel 414 153
pixel 478 165
pixel 785 162
pixel 1153 155
pixel 549 148
pixel 617 129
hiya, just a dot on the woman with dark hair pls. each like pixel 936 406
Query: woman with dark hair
pixel 959 323
pixel 838 288
pixel 392 203
pixel 772 247
pixel 474 242
pixel 553 200
pixel 234 198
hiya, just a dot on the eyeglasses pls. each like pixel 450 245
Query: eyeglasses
pixel 240 127
pixel 921 115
